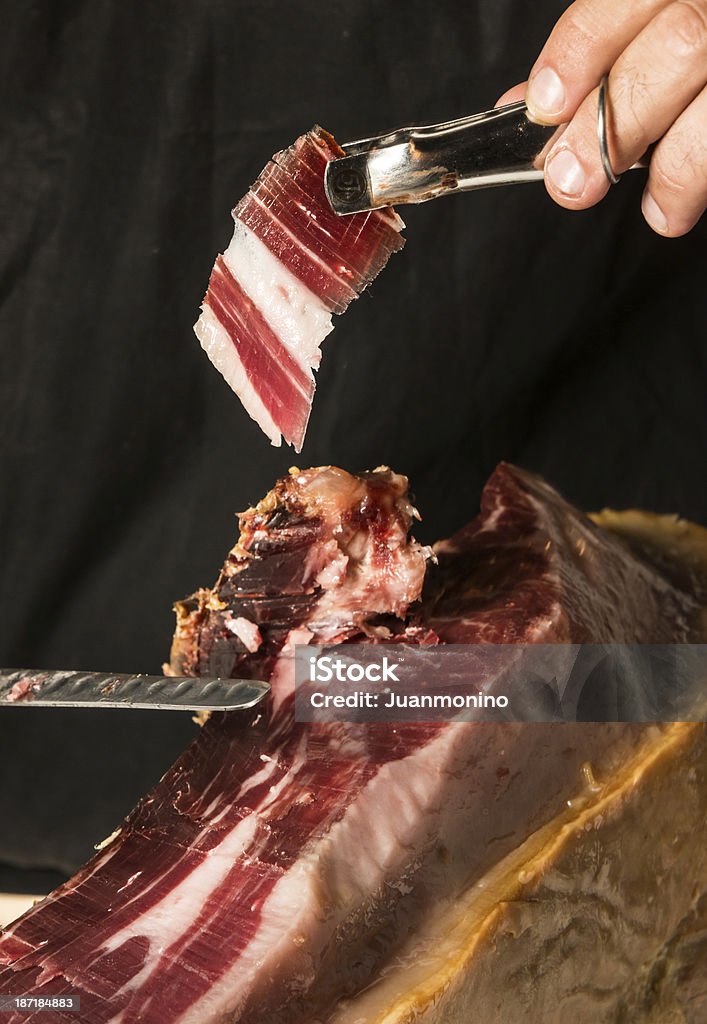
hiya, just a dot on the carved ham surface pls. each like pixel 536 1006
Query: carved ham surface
pixel 283 872
pixel 291 263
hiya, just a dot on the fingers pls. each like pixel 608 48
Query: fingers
pixel 574 175
pixel 651 83
pixel 512 95
pixel 583 45
pixel 676 194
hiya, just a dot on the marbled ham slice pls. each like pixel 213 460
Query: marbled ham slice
pixel 278 870
pixel 290 264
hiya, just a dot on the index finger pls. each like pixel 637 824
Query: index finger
pixel 582 46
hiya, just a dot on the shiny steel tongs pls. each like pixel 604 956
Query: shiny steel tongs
pixel 497 147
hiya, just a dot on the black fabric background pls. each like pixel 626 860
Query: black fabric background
pixel 572 344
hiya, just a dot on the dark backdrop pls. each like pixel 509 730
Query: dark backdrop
pixel 573 344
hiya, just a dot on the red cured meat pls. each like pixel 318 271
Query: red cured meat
pixel 277 866
pixel 296 262
pixel 285 389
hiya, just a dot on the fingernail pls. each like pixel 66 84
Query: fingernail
pixel 653 213
pixel 566 173
pixel 546 93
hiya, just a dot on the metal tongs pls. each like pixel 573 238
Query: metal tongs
pixel 497 147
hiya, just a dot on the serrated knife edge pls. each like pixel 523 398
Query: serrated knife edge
pixel 69 688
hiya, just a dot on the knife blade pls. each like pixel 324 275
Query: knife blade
pixel 59 688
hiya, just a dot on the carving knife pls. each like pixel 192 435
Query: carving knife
pixel 47 688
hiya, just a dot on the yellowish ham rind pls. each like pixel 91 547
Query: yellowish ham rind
pixel 600 916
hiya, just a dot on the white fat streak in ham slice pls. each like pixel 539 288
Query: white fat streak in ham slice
pixel 339 872
pixel 218 345
pixel 163 922
pixel 174 915
pixel 296 315
pixel 171 917
pixel 314 257
pixel 299 875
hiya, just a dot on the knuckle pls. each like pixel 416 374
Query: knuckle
pixel 686 27
pixel 632 89
pixel 667 176
pixel 678 166
pixel 577 32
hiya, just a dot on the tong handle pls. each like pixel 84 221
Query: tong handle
pixel 496 147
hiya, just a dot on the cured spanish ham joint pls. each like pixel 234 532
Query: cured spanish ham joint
pixel 291 263
pixel 447 872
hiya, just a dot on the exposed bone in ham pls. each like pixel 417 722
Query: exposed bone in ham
pixel 279 871
pixel 291 263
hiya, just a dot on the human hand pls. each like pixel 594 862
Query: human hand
pixel 656 54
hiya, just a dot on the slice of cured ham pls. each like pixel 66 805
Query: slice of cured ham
pixel 348 872
pixel 291 263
